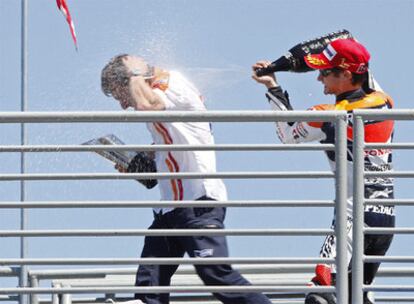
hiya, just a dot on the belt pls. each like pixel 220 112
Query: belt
pixel 197 210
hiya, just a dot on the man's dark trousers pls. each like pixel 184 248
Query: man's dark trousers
pixel 194 246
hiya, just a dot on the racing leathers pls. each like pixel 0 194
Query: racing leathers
pixel 376 131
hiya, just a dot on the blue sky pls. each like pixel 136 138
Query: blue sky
pixel 214 43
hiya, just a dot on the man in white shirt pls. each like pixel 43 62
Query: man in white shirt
pixel 134 83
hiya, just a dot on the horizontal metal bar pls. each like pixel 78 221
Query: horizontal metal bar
pixel 164 232
pixel 253 269
pixel 218 147
pixel 395 299
pixel 87 300
pixel 170 116
pixel 8 271
pixel 190 299
pixel 405 230
pixel 397 146
pixel 398 114
pixel 163 289
pixel 402 174
pixel 41 274
pixel 181 175
pixel 395 272
pixel 163 261
pixel 211 116
pixel 396 202
pixel 187 269
pixel 162 204
pixel 189 281
pixel 8 298
pixel 401 288
pixel 388 259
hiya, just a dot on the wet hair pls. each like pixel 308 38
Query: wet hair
pixel 114 74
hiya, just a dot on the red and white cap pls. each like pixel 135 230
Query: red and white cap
pixel 347 54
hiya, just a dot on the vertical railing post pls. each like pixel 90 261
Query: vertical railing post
pixel 341 209
pixel 23 94
pixel 34 282
pixel 358 210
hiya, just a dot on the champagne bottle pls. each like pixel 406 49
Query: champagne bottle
pixel 293 61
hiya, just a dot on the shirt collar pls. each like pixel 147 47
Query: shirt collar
pixel 351 95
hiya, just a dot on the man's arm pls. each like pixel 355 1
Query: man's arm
pixel 143 96
pixel 288 132
pixel 291 132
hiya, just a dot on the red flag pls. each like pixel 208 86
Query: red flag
pixel 63 7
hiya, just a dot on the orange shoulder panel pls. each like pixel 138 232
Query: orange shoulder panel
pixel 374 99
pixel 387 98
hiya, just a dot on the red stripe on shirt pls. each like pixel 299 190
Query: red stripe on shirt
pixel 172 163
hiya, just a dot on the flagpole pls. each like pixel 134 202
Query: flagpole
pixel 23 278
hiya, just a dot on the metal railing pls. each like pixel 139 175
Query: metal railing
pixel 359 201
pixel 339 118
pixel 265 274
